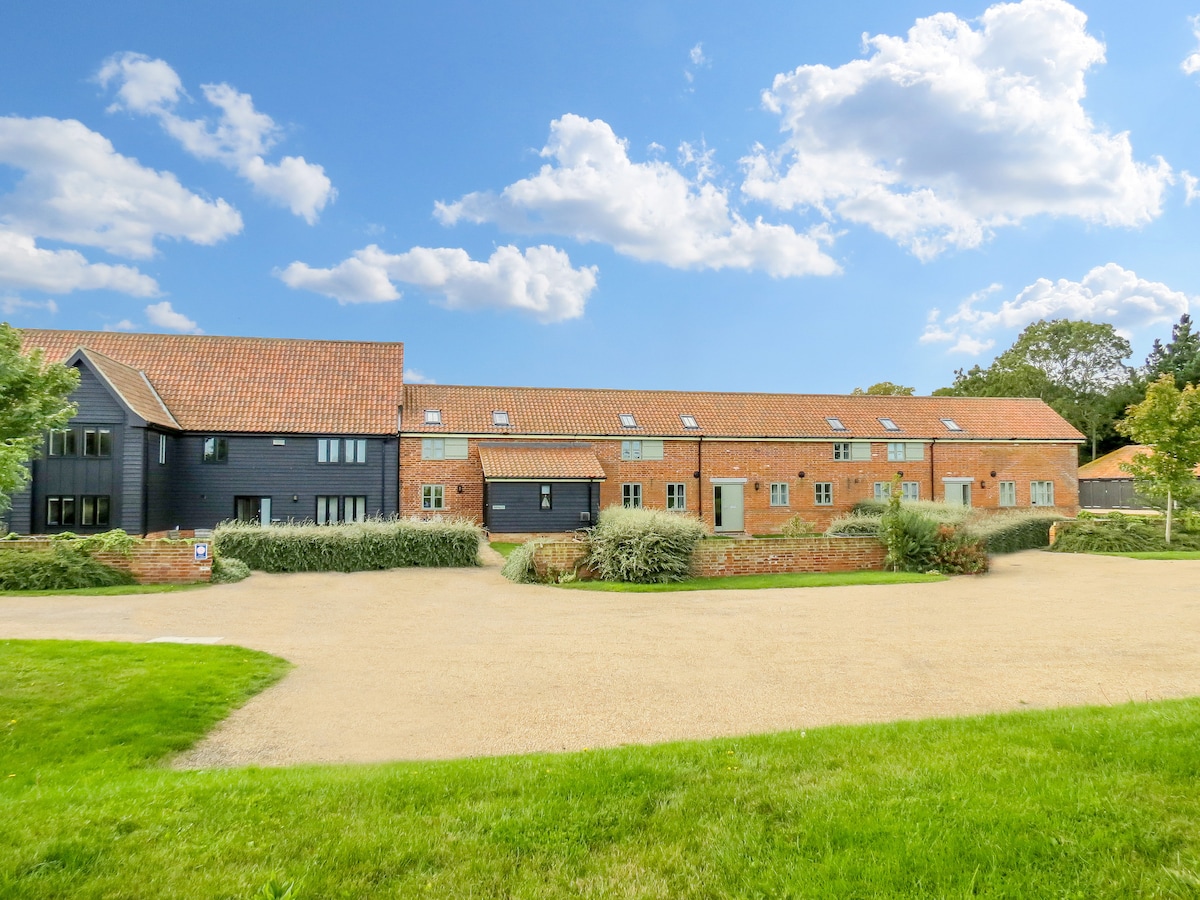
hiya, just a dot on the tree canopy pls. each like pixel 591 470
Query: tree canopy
pixel 885 389
pixel 33 399
pixel 1180 357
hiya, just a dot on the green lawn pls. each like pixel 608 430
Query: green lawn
pixel 1089 803
pixel 504 547
pixel 112 591
pixel 757 582
pixel 1158 554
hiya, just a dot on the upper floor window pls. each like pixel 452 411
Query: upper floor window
pixel 329 450
pixel 889 425
pixel 546 500
pixel 62 443
pixel 951 425
pixel 216 449
pixel 898 451
pixel 162 449
pixel 631 450
pixel 689 421
pixel 433 417
pixel 500 418
pixel 443 448
pixel 835 423
pixel 627 420
pixel 852 450
pixel 97 442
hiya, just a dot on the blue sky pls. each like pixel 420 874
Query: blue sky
pixel 773 196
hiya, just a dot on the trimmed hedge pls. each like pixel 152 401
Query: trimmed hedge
pixel 355 547
pixel 228 570
pixel 857 524
pixel 62 568
pixel 1008 534
pixel 644 546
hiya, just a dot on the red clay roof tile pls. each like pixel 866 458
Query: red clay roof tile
pixel 557 463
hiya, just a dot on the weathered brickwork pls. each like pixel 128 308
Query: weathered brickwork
pixel 746 557
pixel 149 562
pixel 762 463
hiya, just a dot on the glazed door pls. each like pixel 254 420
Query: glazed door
pixel 727 507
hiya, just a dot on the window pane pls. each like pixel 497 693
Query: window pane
pixel 162 449
pixel 88 511
pixel 91 442
pixel 53 511
pixel 322 450
pixel 362 450
pixel 106 442
pixel 68 511
pixel 102 505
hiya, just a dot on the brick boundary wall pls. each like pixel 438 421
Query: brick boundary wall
pixel 761 556
pixel 149 562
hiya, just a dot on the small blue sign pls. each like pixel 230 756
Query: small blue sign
pixel 201 552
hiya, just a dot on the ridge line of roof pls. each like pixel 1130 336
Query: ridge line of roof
pixel 505 387
pixel 205 337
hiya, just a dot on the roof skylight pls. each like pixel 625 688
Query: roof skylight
pixel 835 423
pixel 433 417
pixel 500 417
pixel 688 421
pixel 951 425
pixel 627 420
pixel 889 424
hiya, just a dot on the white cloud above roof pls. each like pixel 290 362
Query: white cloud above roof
pixel 161 315
pixel 592 191
pixel 1191 65
pixel 239 138
pixel 938 138
pixel 1107 293
pixel 540 281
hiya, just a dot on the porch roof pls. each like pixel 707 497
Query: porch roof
pixel 533 463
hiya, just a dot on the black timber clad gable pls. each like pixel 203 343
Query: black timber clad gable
pixel 522 513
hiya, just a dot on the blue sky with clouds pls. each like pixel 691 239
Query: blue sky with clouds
pixel 772 196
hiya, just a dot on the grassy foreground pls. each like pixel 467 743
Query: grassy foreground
pixel 1070 803
pixel 111 591
pixel 758 582
pixel 1157 554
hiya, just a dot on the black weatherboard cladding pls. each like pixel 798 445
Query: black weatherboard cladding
pixel 522 510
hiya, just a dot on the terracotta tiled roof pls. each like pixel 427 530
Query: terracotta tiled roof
pixel 559 463
pixel 576 411
pixel 1109 465
pixel 254 384
pixel 133 387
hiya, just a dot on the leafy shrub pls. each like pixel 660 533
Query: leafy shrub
pixel 797 527
pixel 1116 534
pixel 855 525
pixel 957 553
pixel 353 547
pixel 60 568
pixel 911 539
pixel 644 546
pixel 943 513
pixel 1010 532
pixel 228 570
pixel 518 566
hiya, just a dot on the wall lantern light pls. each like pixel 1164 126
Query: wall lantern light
pixel 993 474
pixel 459 489
pixel 799 474
pixel 982 485
pixel 295 498
pixel 757 485
pixel 695 474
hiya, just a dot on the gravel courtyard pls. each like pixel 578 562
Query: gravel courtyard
pixel 430 664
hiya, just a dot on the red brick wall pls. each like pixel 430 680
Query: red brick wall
pixel 763 462
pixel 744 557
pixel 149 562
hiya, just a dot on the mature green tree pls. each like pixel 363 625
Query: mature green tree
pixel 1076 367
pixel 1167 421
pixel 1180 357
pixel 885 389
pixel 33 399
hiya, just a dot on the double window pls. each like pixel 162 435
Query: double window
pixel 433 496
pixel 844 450
pixel 632 450
pixel 444 448
pixel 62 443
pixel 898 451
pixel 349 450
pixel 909 490
pixel 1008 493
pixel 631 496
pixel 676 495
pixel 88 511
pixel 823 493
pixel 352 509
pixel 97 442
pixel 91 440
pixel 779 493
pixel 1041 493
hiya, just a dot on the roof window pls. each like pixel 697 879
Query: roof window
pixel 500 417
pixel 835 423
pixel 889 424
pixel 951 425
pixel 433 417
pixel 627 420
pixel 689 421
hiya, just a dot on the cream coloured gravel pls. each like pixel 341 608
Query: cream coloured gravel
pixel 440 663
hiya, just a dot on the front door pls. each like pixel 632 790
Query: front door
pixel 727 507
pixel 252 509
pixel 958 493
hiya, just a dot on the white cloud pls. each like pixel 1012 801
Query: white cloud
pixel 162 316
pixel 1107 293
pixel 937 139
pixel 593 192
pixel 123 325
pixel 11 304
pixel 1190 184
pixel 239 138
pixel 540 281
pixel 1191 65
pixel 412 376
pixel 24 265
pixel 696 55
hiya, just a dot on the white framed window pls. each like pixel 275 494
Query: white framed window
pixel 631 496
pixel 835 423
pixel 500 418
pixel 631 450
pixel 97 442
pixel 328 450
pixel 327 510
pixel 910 490
pixel 779 493
pixel 1041 493
pixel 162 449
pixel 627 420
pixel 689 421
pixel 951 425
pixel 883 490
pixel 432 448
pixel 545 497
pixel 898 451
pixel 676 495
pixel 356 450
pixel 1008 493
pixel 889 425
pixel 355 509
pixel 433 417
pixel 93 511
pixel 823 493
pixel 433 496
pixel 60 510
pixel 62 443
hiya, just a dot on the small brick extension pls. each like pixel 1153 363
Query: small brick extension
pixel 149 562
pixel 749 557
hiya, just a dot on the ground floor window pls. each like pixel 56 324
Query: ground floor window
pixel 676 496
pixel 545 498
pixel 631 496
pixel 883 490
pixel 60 511
pixel 331 510
pixel 823 493
pixel 1041 493
pixel 1008 493
pixel 94 511
pixel 910 490
pixel 779 493
pixel 433 496
pixel 354 509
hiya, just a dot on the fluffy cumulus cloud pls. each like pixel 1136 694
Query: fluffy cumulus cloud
pixel 414 376
pixel 938 138
pixel 593 192
pixel 239 137
pixel 76 189
pixel 1191 65
pixel 161 315
pixel 540 281
pixel 1107 293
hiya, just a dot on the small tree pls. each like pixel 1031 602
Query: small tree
pixel 33 399
pixel 885 389
pixel 1167 421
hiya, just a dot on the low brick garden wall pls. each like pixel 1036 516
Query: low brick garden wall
pixel 761 556
pixel 149 562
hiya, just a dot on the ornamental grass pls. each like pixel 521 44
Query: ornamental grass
pixel 644 546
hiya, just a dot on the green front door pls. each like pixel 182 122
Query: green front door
pixel 727 507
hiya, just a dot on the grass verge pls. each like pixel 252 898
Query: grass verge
pixel 504 547
pixel 757 582
pixel 112 591
pixel 1157 554
pixel 1096 803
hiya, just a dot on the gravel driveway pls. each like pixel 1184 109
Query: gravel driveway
pixel 439 663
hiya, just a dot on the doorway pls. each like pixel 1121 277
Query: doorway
pixel 728 507
pixel 958 493
pixel 252 509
